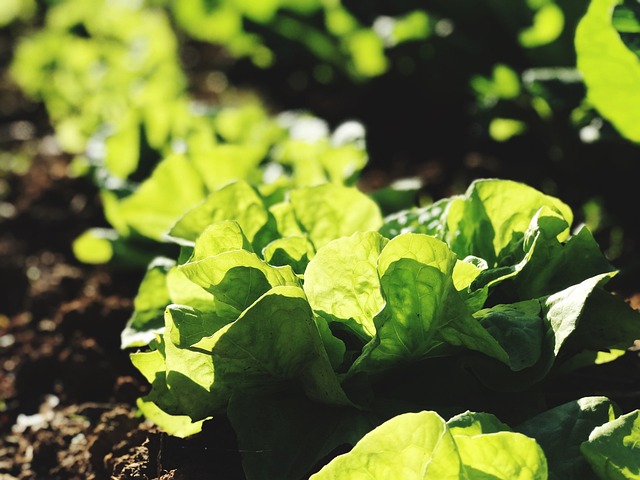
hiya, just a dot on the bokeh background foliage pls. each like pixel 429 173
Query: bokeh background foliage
pixel 448 91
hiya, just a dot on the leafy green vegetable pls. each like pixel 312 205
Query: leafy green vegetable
pixel 12 10
pixel 295 251
pixel 149 305
pixel 610 69
pixel 274 340
pixel 125 60
pixel 413 445
pixel 342 281
pixel 150 211
pixel 283 300
pixel 325 316
pixel 518 328
pixel 474 423
pixel 612 448
pixel 237 278
pixel 423 312
pixel 321 212
pixel 237 201
pixel 423 446
pixel 491 216
pixel 562 430
pixel 227 181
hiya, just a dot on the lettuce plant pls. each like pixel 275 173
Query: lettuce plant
pixel 329 31
pixel 606 46
pixel 235 143
pixel 124 58
pixel 309 325
pixel 586 438
pixel 15 10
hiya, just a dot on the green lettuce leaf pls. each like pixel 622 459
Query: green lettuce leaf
pixel 274 340
pixel 611 71
pixel 502 455
pixel 151 365
pixel 149 305
pixel 548 265
pixel 475 423
pixel 237 278
pixel 160 405
pixel 561 430
pixel 581 317
pixel 286 219
pixel 409 446
pixel 187 326
pixel 202 359
pixel 519 329
pixel 237 201
pixel 180 426
pixel 220 237
pixel 342 282
pixel 423 314
pixel 293 251
pixel 613 449
pixel 160 200
pixel 564 310
pixel 184 292
pixel 327 212
pixel 493 216
pixel 422 446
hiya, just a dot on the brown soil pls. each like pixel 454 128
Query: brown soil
pixel 67 403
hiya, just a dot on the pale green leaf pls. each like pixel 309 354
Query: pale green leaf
pixel 613 449
pixel 327 212
pixel 472 424
pixel 149 305
pixel 275 340
pixel 293 251
pixel 342 281
pixel 237 201
pixel 561 430
pixel 493 215
pixel 502 456
pixel 424 314
pixel 161 200
pixel 611 71
pixel 180 426
pixel 237 278
pixel 412 446
pixel 221 237
pixel 564 309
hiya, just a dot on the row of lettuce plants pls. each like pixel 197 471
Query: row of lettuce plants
pixel 530 85
pixel 120 104
pixel 315 322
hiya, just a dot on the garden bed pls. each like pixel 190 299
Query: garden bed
pixel 69 391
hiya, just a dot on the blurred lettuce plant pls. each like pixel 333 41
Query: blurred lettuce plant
pixel 95 62
pixel 120 103
pixel 607 46
pixel 14 10
pixel 326 29
pixel 201 152
pixel 515 98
